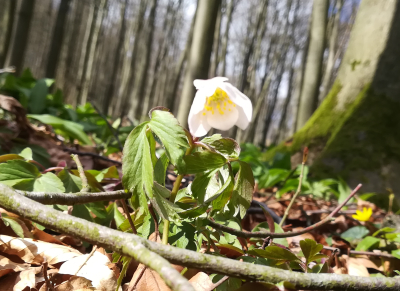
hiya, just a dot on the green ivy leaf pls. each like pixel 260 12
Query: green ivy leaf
pixel 311 250
pixel 244 186
pixel 137 167
pixel 226 146
pixel 15 226
pixel 71 129
pixel 367 243
pixel 203 161
pixel 171 134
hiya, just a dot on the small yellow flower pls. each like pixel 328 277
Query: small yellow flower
pixel 365 215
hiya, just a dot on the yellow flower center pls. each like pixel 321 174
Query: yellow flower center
pixel 219 102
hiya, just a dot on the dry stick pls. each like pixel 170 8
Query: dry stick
pixel 305 154
pixel 360 253
pixel 86 260
pixel 263 234
pixel 155 255
pixel 126 210
pixel 74 198
pixel 46 277
pixel 97 156
pixel 85 185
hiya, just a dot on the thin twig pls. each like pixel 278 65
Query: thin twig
pixel 213 286
pixel 49 285
pixel 112 129
pixel 263 234
pixel 85 185
pixel 86 260
pixel 126 210
pixel 361 253
pixel 97 156
pixel 305 154
pixel 155 255
pixel 74 198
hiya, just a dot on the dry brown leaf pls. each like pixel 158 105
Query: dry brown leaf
pixel 44 236
pixel 8 266
pixel 95 270
pixel 35 252
pixel 352 266
pixel 151 281
pixel 19 281
pixel 75 283
pixel 201 282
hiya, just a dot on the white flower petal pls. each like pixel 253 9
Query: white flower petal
pixel 198 102
pixel 225 121
pixel 243 120
pixel 198 83
pixel 198 125
pixel 241 100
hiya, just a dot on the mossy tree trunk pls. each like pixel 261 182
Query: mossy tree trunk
pixel 355 133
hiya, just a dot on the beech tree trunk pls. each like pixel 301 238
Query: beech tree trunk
pixel 355 132
pixel 7 28
pixel 312 74
pixel 200 53
pixel 16 52
pixel 225 40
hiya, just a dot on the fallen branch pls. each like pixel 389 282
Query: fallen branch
pixel 263 234
pixel 74 198
pixel 152 254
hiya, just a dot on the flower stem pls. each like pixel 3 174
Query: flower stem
pixel 175 189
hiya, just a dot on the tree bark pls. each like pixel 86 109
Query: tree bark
pixel 138 95
pixel 90 54
pixel 225 40
pixel 354 133
pixel 326 80
pixel 217 37
pixel 119 53
pixel 200 53
pixel 313 68
pixel 17 50
pixel 57 39
pixel 8 25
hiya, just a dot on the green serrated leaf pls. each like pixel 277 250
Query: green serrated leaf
pixel 205 185
pixel 203 161
pixel 183 236
pixel 222 196
pixel 275 253
pixel 310 248
pixel 244 186
pixel 166 209
pixel 226 146
pixel 137 167
pixel 72 183
pixel 49 182
pixel 17 171
pixel 171 134
pixel 27 154
pixel 160 169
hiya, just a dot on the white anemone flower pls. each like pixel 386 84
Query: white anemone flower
pixel 220 105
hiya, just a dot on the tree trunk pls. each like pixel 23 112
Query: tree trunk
pixel 354 133
pixel 90 54
pixel 119 53
pixel 224 48
pixel 332 50
pixel 172 96
pixel 57 39
pixel 200 53
pixel 138 95
pixel 8 25
pixel 312 73
pixel 217 36
pixel 16 52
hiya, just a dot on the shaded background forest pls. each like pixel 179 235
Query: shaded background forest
pixel 127 56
